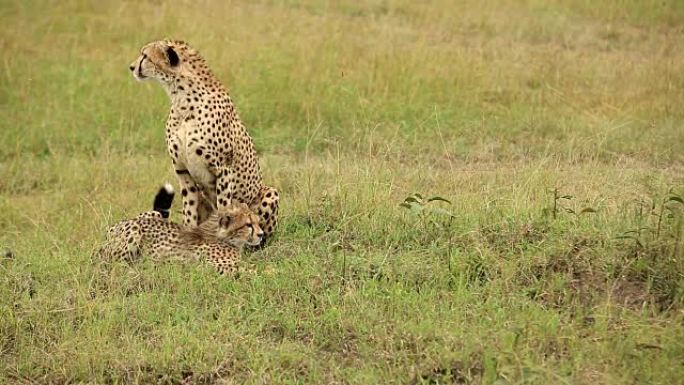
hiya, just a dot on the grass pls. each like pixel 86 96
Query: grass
pixel 554 128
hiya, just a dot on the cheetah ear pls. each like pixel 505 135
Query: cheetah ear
pixel 224 221
pixel 173 57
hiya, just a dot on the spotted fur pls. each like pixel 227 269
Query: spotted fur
pixel 218 240
pixel 212 153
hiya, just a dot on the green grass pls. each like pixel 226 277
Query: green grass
pixel 355 106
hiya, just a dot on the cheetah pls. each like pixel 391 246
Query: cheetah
pixel 219 239
pixel 211 151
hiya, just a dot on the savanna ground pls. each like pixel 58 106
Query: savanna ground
pixel 554 128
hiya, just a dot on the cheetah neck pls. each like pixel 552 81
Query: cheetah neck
pixel 187 94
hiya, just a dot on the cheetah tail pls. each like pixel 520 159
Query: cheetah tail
pixel 163 200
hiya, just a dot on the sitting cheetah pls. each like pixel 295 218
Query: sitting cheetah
pixel 209 146
pixel 219 239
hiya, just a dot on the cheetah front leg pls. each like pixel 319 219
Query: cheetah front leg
pixel 265 205
pixel 191 198
pixel 225 185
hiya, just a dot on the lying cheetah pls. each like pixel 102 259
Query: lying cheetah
pixel 209 146
pixel 219 239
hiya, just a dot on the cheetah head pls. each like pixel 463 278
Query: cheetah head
pixel 240 226
pixel 162 60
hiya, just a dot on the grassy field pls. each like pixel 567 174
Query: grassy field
pixel 554 128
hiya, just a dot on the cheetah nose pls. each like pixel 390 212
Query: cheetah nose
pixel 131 67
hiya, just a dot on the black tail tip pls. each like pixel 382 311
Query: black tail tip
pixel 163 200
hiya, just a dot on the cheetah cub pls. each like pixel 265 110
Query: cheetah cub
pixel 218 240
pixel 211 151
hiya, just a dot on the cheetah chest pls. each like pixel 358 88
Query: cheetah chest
pixel 189 153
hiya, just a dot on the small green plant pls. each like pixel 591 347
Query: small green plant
pixel 425 207
pixel 656 220
pixel 429 221
pixel 556 206
pixel 654 247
